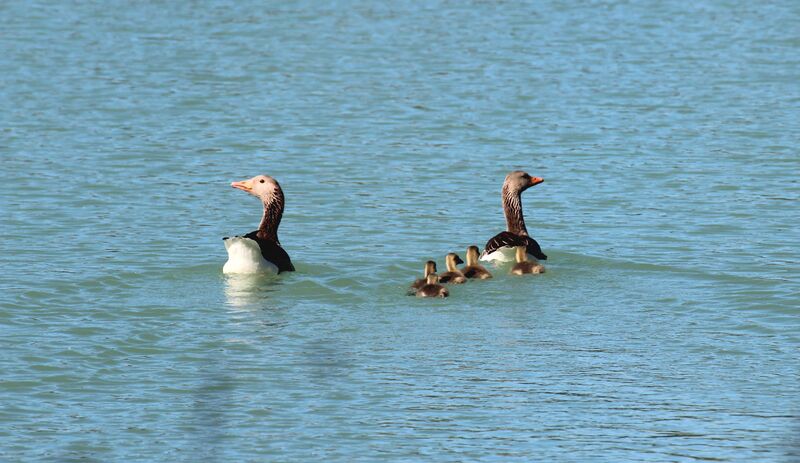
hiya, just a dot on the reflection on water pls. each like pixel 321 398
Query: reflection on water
pixel 243 290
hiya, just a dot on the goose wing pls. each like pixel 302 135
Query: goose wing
pixel 272 251
pixel 509 239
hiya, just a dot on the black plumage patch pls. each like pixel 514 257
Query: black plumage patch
pixel 509 239
pixel 272 251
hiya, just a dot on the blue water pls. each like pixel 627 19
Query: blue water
pixel 665 329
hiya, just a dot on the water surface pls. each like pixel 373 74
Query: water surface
pixel 666 327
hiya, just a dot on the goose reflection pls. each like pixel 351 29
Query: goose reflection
pixel 242 289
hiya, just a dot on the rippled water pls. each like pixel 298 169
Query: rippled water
pixel 666 328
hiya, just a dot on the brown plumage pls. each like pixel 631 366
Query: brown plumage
pixel 524 266
pixel 430 267
pixel 473 269
pixel 516 233
pixel 269 192
pixel 453 275
pixel 432 288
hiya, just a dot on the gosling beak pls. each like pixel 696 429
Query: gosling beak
pixel 245 185
pixel 458 260
pixel 536 180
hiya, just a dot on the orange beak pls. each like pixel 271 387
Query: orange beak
pixel 245 185
pixel 536 180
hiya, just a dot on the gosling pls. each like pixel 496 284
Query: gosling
pixel 524 266
pixel 432 288
pixel 473 268
pixel 430 267
pixel 453 275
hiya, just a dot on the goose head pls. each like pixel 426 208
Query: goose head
pixel 522 254
pixel 452 260
pixel 519 181
pixel 472 255
pixel 430 267
pixel 263 187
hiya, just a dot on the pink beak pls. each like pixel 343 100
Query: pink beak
pixel 245 185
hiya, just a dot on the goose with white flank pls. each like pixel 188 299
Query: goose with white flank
pixel 260 250
pixel 501 247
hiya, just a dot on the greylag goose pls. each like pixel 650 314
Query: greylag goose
pixel 260 250
pixel 501 247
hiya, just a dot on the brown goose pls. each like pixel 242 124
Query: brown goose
pixel 260 250
pixel 432 288
pixel 473 269
pixel 430 267
pixel 523 265
pixel 453 275
pixel 501 247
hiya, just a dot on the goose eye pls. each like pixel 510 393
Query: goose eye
pixel 262 181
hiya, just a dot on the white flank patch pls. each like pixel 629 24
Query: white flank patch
pixel 244 256
pixel 504 255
